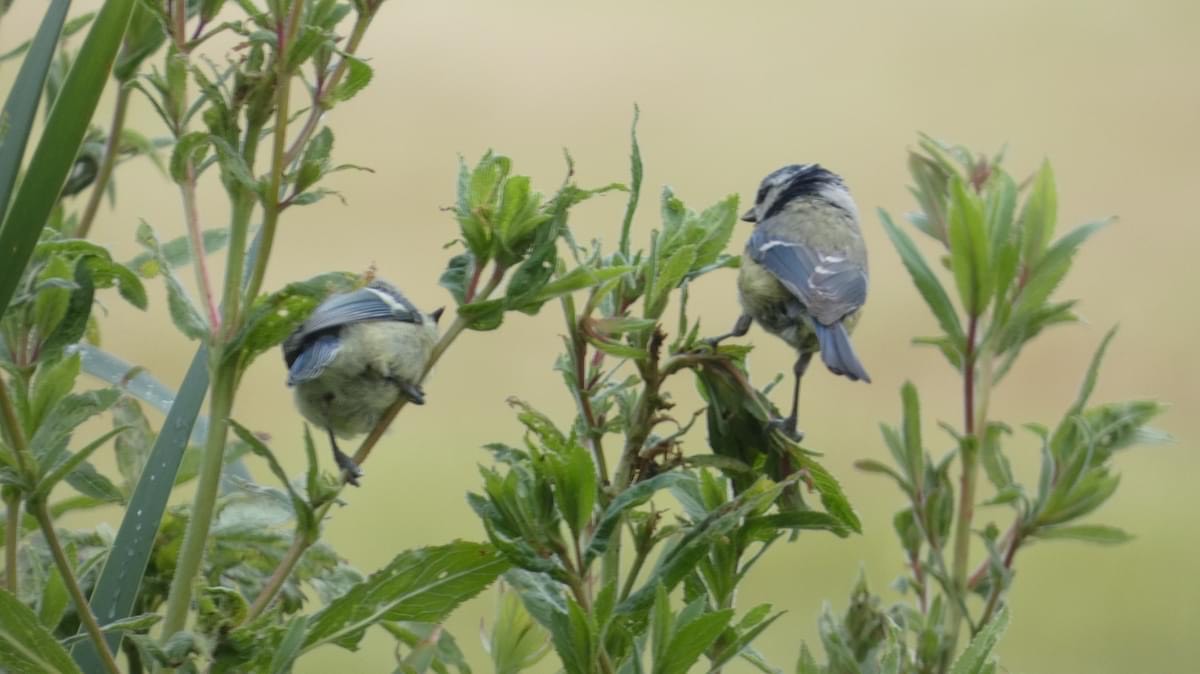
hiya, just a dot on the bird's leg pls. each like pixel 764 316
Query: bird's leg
pixel 788 425
pixel 344 462
pixel 739 329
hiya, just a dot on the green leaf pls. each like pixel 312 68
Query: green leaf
pixel 271 318
pixel 190 149
pixel 1066 428
pixel 670 273
pixel 1039 216
pixel 914 453
pixel 20 109
pixel 630 498
pixel 969 256
pixel 26 646
pixel 54 296
pixel 517 642
pixel 69 412
pixel 931 289
pixel 358 76
pixel 289 648
pixel 635 183
pixel 578 278
pixel 575 486
pixel 422 585
pixel 691 640
pixel 143 37
pixel 93 483
pixel 183 313
pixel 974 660
pixel 135 441
pixel 120 578
pixel 54 599
pixel 1088 533
pixel 50 385
pixel 456 276
pixel 806 664
pixel 304 515
pixel 795 520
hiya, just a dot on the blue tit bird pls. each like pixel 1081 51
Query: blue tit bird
pixel 803 276
pixel 354 357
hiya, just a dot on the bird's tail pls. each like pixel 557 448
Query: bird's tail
pixel 837 352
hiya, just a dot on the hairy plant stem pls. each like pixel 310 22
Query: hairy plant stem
pixel 285 34
pixel 994 597
pixel 16 436
pixel 39 511
pixel 969 455
pixel 191 552
pixel 301 542
pixel 274 584
pixel 320 104
pixel 582 391
pixel 112 147
pixel 12 536
pixel 200 263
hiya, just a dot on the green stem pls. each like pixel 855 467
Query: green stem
pixel 199 261
pixel 639 560
pixel 12 534
pixel 191 552
pixel 271 205
pixel 970 469
pixel 82 608
pixel 275 583
pixel 112 147
pixel 321 101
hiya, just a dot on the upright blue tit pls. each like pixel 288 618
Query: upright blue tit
pixel 804 271
pixel 356 356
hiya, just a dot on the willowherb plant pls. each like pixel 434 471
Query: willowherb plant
pixel 1006 264
pixel 621 534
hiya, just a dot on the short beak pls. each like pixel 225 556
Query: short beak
pixel 750 216
pixel 437 314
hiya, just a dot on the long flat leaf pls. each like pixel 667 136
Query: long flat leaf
pixel 121 576
pixel 931 289
pixel 55 153
pixel 422 585
pixel 21 106
pixel 26 646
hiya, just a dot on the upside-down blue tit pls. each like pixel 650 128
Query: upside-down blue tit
pixel 804 271
pixel 354 357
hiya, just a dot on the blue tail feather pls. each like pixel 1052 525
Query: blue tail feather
pixel 838 353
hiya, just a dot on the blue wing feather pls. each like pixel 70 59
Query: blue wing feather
pixel 312 360
pixel 829 287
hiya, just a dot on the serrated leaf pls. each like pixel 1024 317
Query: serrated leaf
pixel 1039 216
pixel 975 658
pixel 422 585
pixel 26 646
pixel 691 640
pixel 178 252
pixel 358 76
pixel 630 498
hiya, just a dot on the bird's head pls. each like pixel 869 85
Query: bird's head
pixel 797 181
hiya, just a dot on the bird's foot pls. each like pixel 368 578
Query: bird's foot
pixel 787 426
pixel 349 468
pixel 414 393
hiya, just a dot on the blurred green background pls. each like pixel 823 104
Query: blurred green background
pixel 1108 91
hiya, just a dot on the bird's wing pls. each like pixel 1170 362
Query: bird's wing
pixel 829 285
pixel 364 304
pixel 312 358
